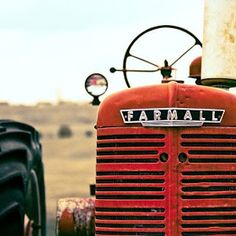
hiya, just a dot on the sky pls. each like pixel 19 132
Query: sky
pixel 49 47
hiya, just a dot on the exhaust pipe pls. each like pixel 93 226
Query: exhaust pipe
pixel 219 44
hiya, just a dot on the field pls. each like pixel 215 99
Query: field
pixel 69 163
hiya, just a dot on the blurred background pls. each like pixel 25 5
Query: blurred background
pixel 49 47
pixel 47 50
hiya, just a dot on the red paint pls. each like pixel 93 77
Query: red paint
pixel 66 224
pixel 137 193
pixel 166 95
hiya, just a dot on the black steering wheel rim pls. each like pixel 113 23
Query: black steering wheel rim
pixel 127 53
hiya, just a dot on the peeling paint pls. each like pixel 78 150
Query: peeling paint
pixel 75 216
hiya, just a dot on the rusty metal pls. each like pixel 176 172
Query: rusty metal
pixel 219 40
pixel 75 217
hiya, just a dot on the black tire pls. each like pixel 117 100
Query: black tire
pixel 22 190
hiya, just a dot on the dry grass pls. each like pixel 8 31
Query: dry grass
pixel 69 162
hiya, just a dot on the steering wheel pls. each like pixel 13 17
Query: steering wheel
pixel 129 55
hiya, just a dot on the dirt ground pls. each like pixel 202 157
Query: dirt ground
pixel 69 163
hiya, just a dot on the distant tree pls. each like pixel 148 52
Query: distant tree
pixel 65 131
pixel 88 133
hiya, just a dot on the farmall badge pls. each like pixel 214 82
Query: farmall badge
pixel 172 117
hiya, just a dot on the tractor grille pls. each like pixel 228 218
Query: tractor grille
pixel 130 221
pixel 208 184
pixel 191 193
pixel 129 148
pixel 130 189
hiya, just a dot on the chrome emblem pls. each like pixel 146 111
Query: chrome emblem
pixel 172 117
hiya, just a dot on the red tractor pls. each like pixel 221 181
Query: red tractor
pixel 166 154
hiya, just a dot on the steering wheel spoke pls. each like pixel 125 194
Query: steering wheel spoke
pixel 183 54
pixel 144 60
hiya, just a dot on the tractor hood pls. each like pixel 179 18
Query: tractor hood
pixel 170 104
